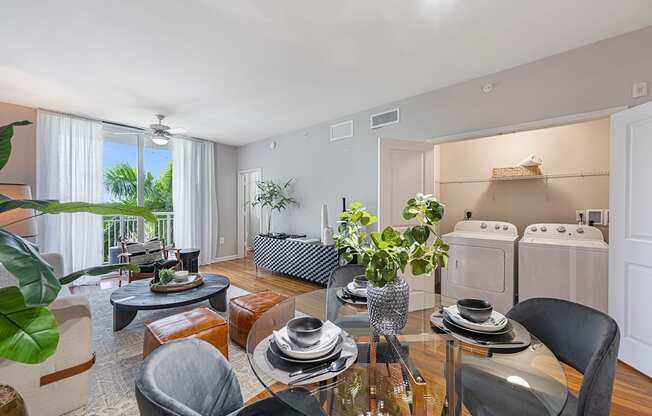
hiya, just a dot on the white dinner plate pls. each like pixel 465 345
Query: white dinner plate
pixel 486 326
pixel 362 292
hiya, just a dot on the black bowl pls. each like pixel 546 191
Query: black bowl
pixel 475 310
pixel 305 331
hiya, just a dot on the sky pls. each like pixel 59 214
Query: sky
pixel 155 159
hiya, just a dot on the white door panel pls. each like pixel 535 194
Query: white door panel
pixel 630 257
pixel 405 168
pixel 477 268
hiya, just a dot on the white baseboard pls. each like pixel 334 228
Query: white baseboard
pixel 225 258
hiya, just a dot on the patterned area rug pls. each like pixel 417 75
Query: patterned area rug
pixel 119 356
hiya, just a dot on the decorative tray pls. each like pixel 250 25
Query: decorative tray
pixel 192 282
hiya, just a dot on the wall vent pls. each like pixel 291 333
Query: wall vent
pixel 384 119
pixel 342 130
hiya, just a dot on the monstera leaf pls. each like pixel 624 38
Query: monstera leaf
pixel 35 276
pixel 27 334
pixel 56 207
pixel 6 133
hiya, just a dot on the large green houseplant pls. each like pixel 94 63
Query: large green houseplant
pixel 387 253
pixel 29 332
pixel 274 197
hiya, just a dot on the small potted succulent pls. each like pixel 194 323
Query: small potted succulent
pixel 388 253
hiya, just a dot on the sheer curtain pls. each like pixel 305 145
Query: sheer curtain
pixel 69 168
pixel 194 196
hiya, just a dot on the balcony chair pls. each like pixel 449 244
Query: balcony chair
pixel 147 256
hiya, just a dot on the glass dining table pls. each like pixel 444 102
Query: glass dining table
pixel 419 371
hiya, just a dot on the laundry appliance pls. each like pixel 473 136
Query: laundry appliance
pixel 482 263
pixel 564 261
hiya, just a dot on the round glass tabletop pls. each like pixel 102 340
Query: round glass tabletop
pixel 417 372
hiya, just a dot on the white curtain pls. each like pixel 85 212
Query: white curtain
pixel 69 168
pixel 194 196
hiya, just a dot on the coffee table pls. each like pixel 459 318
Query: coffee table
pixel 137 296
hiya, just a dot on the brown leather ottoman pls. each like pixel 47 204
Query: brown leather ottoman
pixel 200 323
pixel 245 310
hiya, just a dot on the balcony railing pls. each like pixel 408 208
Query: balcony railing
pixel 118 227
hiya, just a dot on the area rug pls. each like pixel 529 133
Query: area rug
pixel 119 356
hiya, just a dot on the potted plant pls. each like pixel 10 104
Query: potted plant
pixel 389 252
pixel 29 332
pixel 273 196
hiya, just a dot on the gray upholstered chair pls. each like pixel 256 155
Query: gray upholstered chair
pixel 189 377
pixel 581 337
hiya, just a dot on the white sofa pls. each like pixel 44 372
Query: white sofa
pixel 73 352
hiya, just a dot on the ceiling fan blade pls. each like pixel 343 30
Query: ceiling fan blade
pixel 177 130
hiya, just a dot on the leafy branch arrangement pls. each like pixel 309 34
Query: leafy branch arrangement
pixel 386 253
pixel 29 332
pixel 273 196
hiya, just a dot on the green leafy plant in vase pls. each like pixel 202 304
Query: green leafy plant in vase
pixel 165 276
pixel 29 332
pixel 273 197
pixel 388 253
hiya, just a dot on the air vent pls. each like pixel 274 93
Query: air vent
pixel 341 131
pixel 385 118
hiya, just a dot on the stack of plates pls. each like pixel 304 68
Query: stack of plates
pixel 497 324
pixel 353 294
pixel 328 347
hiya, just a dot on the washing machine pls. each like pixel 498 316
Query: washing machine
pixel 482 263
pixel 565 261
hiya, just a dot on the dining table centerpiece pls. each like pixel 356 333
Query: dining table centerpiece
pixel 388 253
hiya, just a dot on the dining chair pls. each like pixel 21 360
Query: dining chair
pixel 339 278
pixel 190 377
pixel 579 336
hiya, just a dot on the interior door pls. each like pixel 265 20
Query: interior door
pixel 630 256
pixel 405 168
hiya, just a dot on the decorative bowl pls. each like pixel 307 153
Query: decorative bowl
pixel 181 276
pixel 305 331
pixel 474 310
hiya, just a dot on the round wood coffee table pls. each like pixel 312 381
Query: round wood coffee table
pixel 137 296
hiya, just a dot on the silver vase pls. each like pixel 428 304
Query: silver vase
pixel 388 306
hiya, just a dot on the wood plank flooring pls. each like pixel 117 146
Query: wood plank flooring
pixel 632 390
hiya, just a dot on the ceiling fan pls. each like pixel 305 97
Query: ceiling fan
pixel 160 134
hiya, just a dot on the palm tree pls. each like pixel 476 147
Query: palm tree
pixel 121 181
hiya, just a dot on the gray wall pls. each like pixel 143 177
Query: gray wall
pixel 590 78
pixel 227 177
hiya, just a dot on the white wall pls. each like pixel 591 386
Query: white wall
pixel 590 78
pixel 227 185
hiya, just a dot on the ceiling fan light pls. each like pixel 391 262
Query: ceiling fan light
pixel 159 140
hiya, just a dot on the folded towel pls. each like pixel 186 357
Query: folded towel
pixel 532 160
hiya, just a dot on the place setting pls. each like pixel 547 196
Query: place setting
pixel 307 350
pixel 355 292
pixel 473 321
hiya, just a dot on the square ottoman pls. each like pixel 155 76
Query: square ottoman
pixel 244 311
pixel 201 323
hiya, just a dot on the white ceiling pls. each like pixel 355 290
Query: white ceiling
pixel 236 71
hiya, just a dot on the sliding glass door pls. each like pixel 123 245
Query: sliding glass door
pixel 137 172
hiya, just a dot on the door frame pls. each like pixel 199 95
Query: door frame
pixel 241 208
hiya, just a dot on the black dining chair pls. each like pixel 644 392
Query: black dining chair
pixel 579 336
pixel 190 377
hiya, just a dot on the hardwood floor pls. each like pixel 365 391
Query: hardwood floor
pixel 632 390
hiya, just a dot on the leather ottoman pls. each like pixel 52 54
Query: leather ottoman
pixel 245 310
pixel 200 323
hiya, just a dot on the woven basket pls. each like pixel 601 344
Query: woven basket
pixel 515 171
